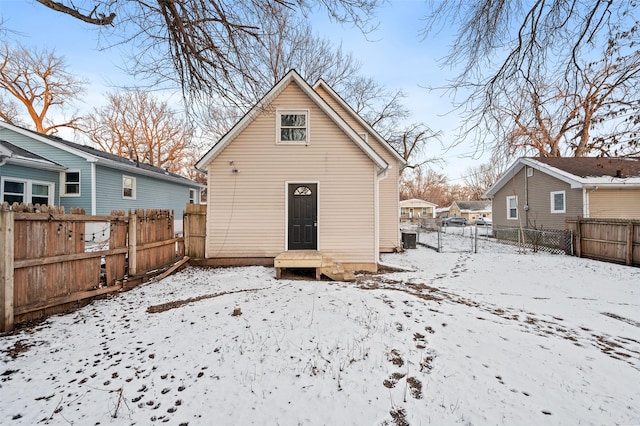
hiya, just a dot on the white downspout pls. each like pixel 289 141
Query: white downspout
pixel 93 190
pixel 379 177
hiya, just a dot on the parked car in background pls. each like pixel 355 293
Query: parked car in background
pixel 455 221
pixel 483 221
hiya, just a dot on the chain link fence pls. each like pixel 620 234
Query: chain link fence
pixel 475 238
pixel 550 240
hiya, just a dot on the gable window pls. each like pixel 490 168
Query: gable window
pixel 512 207
pixel 26 191
pixel 558 202
pixel 71 183
pixel 128 187
pixel 192 196
pixel 293 126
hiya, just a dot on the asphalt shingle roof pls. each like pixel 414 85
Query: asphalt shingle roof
pixel 594 167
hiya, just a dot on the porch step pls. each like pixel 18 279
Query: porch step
pixel 322 264
pixel 336 272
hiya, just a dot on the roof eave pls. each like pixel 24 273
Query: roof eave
pixel 136 170
pixel 36 164
pixel 45 140
pixel 292 76
pixel 362 122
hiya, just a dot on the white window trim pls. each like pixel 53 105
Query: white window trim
pixel 564 202
pixel 133 190
pixel 512 197
pixel 28 195
pixel 529 171
pixel 304 112
pixel 194 199
pixel 63 183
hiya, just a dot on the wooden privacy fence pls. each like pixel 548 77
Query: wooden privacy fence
pixel 48 262
pixel 611 240
pixel 194 223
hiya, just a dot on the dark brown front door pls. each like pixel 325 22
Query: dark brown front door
pixel 303 216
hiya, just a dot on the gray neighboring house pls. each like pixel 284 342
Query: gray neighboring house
pixel 80 176
pixel 543 192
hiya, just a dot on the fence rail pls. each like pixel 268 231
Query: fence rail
pixel 47 267
pixel 611 240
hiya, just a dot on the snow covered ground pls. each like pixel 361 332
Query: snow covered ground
pixel 496 337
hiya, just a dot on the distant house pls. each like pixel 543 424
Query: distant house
pixel 415 208
pixel 542 192
pixel 302 172
pixel 470 210
pixel 72 175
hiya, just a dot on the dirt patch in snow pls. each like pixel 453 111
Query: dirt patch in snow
pixel 178 303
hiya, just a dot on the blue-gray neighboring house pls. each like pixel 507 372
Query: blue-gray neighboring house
pixel 26 177
pixel 35 167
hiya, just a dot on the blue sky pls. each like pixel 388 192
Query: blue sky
pixel 393 55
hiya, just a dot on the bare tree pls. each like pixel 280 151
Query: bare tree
pixel 425 184
pixel 506 47
pixel 203 39
pixel 479 178
pixel 9 111
pixel 136 125
pixel 598 118
pixel 38 83
pixel 289 42
pixel 412 143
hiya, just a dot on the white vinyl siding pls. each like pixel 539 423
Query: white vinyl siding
pixel 388 200
pixel 251 201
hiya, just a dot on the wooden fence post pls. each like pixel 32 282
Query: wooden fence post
pixel 578 238
pixel 630 244
pixel 6 269
pixel 133 234
pixel 185 232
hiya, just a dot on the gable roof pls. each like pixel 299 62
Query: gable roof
pixel 588 167
pixel 417 201
pixel 291 77
pixel 106 159
pixel 578 172
pixel 476 205
pixel 360 120
pixel 15 155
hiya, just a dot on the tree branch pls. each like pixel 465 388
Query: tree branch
pixel 90 18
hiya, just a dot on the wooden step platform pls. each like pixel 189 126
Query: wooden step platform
pixel 311 259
